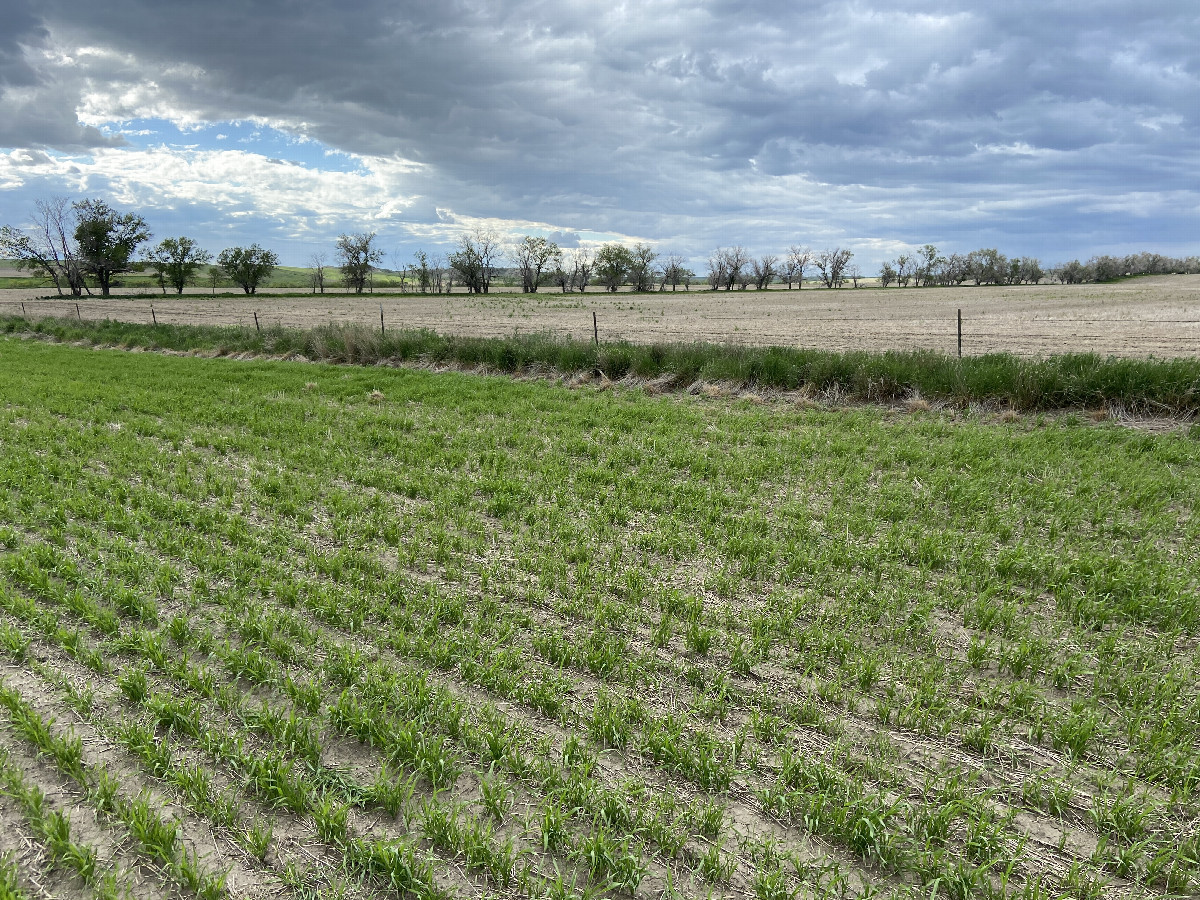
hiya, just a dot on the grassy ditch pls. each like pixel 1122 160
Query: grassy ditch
pixel 1164 387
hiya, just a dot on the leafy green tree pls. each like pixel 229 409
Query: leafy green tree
pixel 422 274
pixel 106 240
pixel 612 266
pixel 1031 270
pixel 641 267
pixel 533 256
pixel 987 266
pixel 926 265
pixel 247 267
pixel 177 261
pixel 358 257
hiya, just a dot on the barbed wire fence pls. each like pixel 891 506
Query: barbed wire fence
pixel 964 333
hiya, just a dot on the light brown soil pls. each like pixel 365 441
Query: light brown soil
pixel 1157 316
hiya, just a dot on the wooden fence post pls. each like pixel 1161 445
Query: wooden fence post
pixel 960 334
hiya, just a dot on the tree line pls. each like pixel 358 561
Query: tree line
pixel 72 242
pixel 927 267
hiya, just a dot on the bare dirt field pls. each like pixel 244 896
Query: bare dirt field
pixel 1157 316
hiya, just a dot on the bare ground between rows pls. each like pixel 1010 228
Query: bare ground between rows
pixel 1154 316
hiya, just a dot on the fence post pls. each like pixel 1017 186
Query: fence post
pixel 595 330
pixel 78 314
pixel 152 315
pixel 22 309
pixel 257 327
pixel 382 330
pixel 960 334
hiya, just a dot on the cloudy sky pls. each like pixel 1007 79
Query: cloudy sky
pixel 1051 128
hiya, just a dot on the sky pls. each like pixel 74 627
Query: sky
pixel 1048 128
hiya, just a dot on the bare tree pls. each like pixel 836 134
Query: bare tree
pixel 765 270
pixel 437 272
pixel 475 259
pixel 532 256
pixel 561 276
pixel 672 270
pixel 29 254
pixel 798 259
pixel 583 263
pixel 317 262
pixel 854 273
pixel 745 276
pixel 716 269
pixel 736 260
pixel 832 264
pixel 50 250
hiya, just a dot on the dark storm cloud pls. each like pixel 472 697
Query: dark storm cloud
pixel 32 111
pixel 21 29
pixel 686 122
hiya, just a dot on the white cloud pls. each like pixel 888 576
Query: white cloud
pixel 758 121
pixel 230 180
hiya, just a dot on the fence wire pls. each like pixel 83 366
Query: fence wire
pixel 982 332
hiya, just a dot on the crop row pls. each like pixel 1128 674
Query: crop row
pixel 625 615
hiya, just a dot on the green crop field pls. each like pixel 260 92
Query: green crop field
pixel 298 630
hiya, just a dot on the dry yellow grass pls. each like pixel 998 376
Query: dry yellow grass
pixel 1157 316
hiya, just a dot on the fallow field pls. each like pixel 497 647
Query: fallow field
pixel 276 629
pixel 1138 317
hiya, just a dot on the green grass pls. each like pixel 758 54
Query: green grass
pixel 583 642
pixel 1161 387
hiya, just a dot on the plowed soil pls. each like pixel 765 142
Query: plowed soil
pixel 1158 316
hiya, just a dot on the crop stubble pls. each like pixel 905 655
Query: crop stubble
pixel 1140 317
